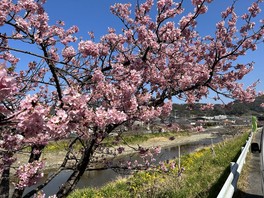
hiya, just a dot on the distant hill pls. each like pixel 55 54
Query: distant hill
pixel 235 108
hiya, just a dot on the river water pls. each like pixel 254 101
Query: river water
pixel 101 177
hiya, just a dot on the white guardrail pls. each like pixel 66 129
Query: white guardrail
pixel 230 185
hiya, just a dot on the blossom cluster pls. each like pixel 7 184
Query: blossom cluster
pixel 7 84
pixel 28 174
pixel 88 48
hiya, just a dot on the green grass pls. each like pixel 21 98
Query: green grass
pixel 204 175
pixel 55 146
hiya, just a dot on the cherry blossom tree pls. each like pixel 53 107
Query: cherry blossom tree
pixel 90 88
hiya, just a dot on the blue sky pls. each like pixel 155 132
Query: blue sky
pixel 95 16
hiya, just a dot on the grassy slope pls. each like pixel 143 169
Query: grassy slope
pixel 203 176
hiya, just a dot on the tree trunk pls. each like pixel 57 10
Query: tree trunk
pixel 4 184
pixel 5 177
pixel 62 166
pixel 36 151
pixel 70 184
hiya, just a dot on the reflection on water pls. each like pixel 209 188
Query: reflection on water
pixel 90 178
pixel 101 177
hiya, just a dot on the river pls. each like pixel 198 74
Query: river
pixel 99 178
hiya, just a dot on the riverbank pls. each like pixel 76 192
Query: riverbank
pixel 54 159
pixel 165 142
pixel 203 175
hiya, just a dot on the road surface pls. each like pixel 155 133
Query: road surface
pixel 252 188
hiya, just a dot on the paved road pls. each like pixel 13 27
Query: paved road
pixel 253 189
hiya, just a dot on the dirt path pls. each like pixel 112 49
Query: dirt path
pixel 164 142
pixel 249 184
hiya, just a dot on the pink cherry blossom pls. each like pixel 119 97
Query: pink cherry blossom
pixel 68 52
pixel 88 48
pixel 207 106
pixel 254 9
pixel 89 88
pixel 29 174
pixel 7 84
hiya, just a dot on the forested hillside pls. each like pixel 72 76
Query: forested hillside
pixel 236 108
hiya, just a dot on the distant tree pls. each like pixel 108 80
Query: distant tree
pixel 90 88
pixel 237 109
pixel 217 110
pixel 256 105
